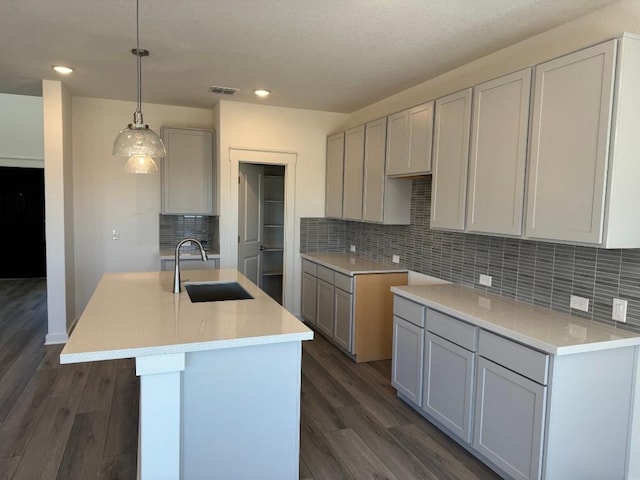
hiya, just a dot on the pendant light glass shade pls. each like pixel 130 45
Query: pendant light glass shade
pixel 138 142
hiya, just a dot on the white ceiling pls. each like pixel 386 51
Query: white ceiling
pixel 333 55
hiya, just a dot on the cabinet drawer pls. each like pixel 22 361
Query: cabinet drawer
pixel 325 274
pixel 410 311
pixel 309 267
pixel 343 282
pixel 452 329
pixel 518 358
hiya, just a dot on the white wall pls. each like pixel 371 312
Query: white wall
pixel 600 25
pixel 303 132
pixel 21 131
pixel 58 209
pixel 107 198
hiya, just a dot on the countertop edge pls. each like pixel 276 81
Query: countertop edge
pixel 516 336
pixel 351 273
pixel 69 358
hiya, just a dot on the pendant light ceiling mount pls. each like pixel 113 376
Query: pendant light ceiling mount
pixel 138 142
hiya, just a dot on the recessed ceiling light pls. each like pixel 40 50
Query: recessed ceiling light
pixel 64 70
pixel 262 93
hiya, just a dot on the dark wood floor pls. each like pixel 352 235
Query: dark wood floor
pixel 81 421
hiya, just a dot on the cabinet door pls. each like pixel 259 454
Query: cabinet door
pixel 309 297
pixel 343 318
pixel 448 384
pixel 187 172
pixel 420 138
pixel 334 178
pixel 570 145
pixel 374 179
pixel 450 160
pixel 407 359
pixel 324 315
pixel 509 419
pixel 353 173
pixel 397 143
pixel 498 154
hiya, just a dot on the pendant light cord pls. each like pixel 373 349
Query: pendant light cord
pixel 139 57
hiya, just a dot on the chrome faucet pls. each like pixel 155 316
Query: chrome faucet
pixel 176 271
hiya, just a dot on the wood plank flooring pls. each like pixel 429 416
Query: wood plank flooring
pixel 81 421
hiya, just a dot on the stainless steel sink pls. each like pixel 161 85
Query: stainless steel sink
pixel 216 292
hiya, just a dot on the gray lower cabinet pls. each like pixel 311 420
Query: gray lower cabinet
pixel 509 418
pixel 406 361
pixel 343 319
pixel 309 297
pixel 448 384
pixel 324 316
pixel 526 413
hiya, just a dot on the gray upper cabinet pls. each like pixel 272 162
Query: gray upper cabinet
pixel 570 145
pixel 450 160
pixel 409 141
pixel 385 200
pixel 498 155
pixel 334 177
pixel 353 173
pixel 583 166
pixel 374 180
pixel 188 172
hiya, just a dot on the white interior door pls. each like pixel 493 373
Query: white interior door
pixel 250 221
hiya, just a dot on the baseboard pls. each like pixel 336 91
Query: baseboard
pixel 55 338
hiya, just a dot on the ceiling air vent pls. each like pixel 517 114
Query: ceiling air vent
pixel 224 90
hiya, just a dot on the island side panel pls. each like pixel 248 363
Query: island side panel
pixel 373 314
pixel 241 412
pixel 590 411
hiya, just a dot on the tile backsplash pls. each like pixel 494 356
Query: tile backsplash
pixel 174 228
pixel 542 273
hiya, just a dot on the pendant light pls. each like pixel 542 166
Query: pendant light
pixel 138 142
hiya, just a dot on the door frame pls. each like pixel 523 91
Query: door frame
pixel 267 157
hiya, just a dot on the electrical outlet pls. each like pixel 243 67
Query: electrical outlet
pixel 619 310
pixel 395 258
pixel 579 303
pixel 485 280
pixel 352 249
pixel 186 244
pixel 115 234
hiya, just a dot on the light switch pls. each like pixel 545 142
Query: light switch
pixel 619 310
pixel 115 234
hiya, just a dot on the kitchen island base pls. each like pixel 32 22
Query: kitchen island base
pixel 229 413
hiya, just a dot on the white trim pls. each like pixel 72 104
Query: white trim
pixel 269 157
pixel 160 415
pixel 55 338
pixel 21 162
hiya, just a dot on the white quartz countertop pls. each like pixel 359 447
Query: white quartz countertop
pixel 351 264
pixel 547 330
pixel 169 254
pixel 136 314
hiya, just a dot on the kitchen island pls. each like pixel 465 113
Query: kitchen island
pixel 219 381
